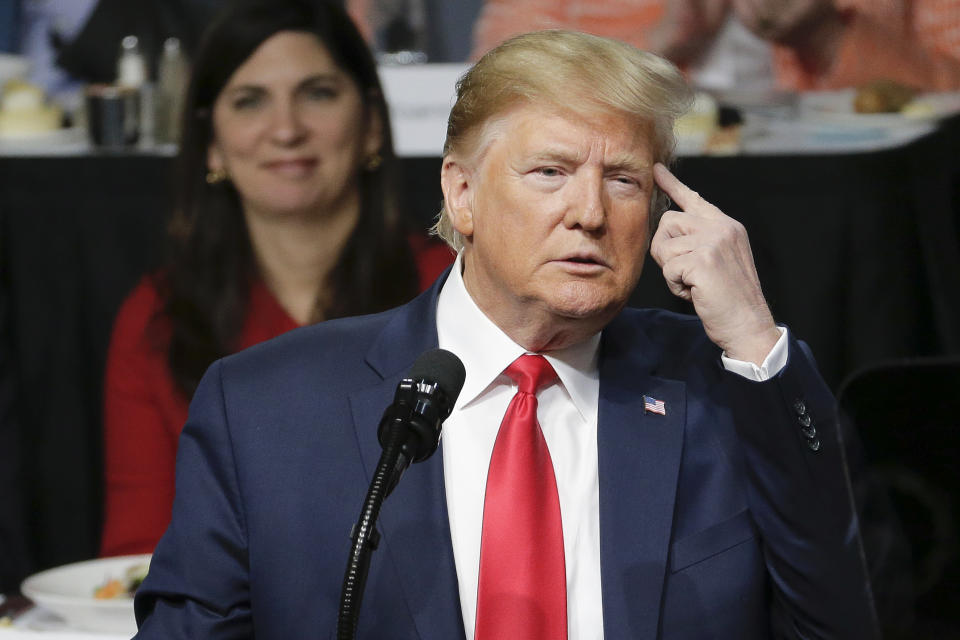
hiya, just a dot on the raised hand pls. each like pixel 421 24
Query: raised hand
pixel 706 259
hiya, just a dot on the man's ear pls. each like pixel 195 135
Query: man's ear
pixel 456 180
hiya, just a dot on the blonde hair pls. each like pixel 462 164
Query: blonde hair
pixel 571 70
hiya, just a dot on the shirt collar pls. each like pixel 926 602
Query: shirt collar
pixel 466 331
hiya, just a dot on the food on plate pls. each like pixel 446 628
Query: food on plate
pixel 882 96
pixel 124 587
pixel 24 110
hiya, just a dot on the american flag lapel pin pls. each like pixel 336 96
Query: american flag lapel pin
pixel 652 405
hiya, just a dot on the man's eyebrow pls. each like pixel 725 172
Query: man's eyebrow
pixel 630 165
pixel 564 156
pixel 556 155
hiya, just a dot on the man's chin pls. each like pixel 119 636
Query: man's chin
pixel 587 305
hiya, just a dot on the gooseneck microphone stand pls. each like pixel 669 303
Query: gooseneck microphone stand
pixel 364 534
pixel 409 432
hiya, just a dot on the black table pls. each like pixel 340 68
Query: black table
pixel 858 253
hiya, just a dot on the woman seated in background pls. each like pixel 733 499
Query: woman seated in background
pixel 286 216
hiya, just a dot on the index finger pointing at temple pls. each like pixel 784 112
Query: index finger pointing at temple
pixel 688 199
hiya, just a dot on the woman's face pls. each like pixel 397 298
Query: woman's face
pixel 291 129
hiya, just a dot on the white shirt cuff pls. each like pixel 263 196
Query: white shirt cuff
pixel 771 366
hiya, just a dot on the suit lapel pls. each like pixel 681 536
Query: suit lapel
pixel 639 459
pixel 413 521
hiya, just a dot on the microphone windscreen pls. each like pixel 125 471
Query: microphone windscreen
pixel 443 368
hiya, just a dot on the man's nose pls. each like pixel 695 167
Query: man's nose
pixel 287 126
pixel 589 209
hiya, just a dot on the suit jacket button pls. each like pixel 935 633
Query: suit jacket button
pixel 810 432
pixel 814 444
pixel 804 420
pixel 799 407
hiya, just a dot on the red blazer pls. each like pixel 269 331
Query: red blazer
pixel 144 411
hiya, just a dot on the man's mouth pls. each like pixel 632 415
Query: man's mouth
pixel 583 260
pixel 586 257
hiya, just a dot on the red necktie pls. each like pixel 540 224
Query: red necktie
pixel 522 594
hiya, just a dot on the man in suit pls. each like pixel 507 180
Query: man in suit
pixel 697 489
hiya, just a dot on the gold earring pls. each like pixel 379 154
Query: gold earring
pixel 373 161
pixel 216 176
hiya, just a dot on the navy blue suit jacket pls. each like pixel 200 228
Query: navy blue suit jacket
pixel 717 520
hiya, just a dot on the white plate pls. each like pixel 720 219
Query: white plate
pixel 837 107
pixel 68 592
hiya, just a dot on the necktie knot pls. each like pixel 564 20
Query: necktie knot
pixel 531 373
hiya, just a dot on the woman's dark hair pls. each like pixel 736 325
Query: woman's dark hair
pixel 210 262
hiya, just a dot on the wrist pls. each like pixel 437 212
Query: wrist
pixel 755 346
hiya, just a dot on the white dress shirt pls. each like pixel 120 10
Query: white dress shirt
pixel 567 413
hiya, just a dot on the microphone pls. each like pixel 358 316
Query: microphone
pixel 409 431
pixel 423 400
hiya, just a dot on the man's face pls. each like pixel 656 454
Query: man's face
pixel 555 217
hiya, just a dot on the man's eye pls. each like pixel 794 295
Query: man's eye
pixel 626 182
pixel 549 172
